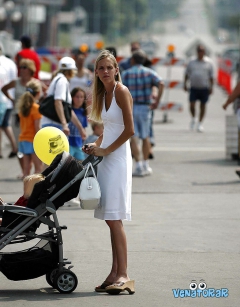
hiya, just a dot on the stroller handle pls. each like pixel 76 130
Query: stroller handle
pixel 93 159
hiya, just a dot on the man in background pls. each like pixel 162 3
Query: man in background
pixel 27 52
pixel 200 74
pixel 140 81
pixel 126 63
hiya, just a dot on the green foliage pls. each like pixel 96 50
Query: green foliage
pixel 228 13
pixel 118 18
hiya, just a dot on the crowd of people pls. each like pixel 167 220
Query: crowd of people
pixel 72 83
pixel 22 93
pixel 118 101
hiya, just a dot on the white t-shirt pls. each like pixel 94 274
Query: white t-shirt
pixel 84 83
pixel 8 72
pixel 59 88
pixel 200 72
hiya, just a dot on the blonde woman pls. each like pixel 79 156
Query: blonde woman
pixel 29 125
pixel 59 88
pixel 26 72
pixel 112 104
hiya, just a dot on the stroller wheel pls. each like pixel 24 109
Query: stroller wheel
pixel 50 276
pixel 65 281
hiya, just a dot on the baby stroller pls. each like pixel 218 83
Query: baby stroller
pixel 20 224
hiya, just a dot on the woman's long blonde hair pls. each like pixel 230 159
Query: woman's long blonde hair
pixel 98 87
pixel 27 99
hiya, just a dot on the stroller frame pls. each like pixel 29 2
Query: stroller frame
pixel 60 278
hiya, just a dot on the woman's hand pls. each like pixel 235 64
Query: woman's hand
pixel 93 149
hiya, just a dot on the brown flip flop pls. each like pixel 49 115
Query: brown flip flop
pixel 121 286
pixel 103 286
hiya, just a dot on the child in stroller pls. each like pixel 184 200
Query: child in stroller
pixel 28 185
pixel 20 224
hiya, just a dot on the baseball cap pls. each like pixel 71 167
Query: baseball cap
pixel 67 63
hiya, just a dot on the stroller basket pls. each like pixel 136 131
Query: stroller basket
pixel 30 263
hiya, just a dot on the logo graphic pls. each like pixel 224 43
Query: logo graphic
pixel 56 145
pixel 200 290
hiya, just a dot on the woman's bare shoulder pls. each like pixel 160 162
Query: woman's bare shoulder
pixel 121 89
pixel 122 94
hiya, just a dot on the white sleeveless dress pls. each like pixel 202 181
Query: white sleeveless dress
pixel 115 170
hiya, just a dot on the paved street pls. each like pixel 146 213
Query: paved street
pixel 185 224
pixel 186 216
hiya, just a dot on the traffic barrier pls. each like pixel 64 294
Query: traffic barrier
pixel 224 74
pixel 173 106
pixel 168 61
pixel 167 106
pixel 173 84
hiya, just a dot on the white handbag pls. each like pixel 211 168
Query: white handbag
pixel 89 192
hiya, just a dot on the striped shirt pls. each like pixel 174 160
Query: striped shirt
pixel 140 80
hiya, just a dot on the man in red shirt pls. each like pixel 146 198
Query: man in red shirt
pixel 28 53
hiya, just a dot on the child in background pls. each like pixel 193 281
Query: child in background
pixel 79 99
pixel 29 125
pixel 97 129
pixel 28 185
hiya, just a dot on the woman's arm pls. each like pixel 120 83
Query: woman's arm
pixel 7 87
pixel 124 101
pixel 59 109
pixel 232 96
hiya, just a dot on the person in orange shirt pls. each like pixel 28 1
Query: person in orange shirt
pixel 29 125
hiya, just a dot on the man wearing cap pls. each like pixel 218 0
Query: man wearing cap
pixel 59 88
pixel 27 52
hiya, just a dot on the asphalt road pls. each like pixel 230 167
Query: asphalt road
pixel 185 224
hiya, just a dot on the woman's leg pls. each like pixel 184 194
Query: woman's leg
pixel 119 247
pixel 113 273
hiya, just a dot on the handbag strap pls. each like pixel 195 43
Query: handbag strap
pixel 90 166
pixel 55 88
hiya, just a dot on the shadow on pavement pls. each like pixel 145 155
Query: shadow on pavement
pixel 215 183
pixel 40 295
pixel 218 162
